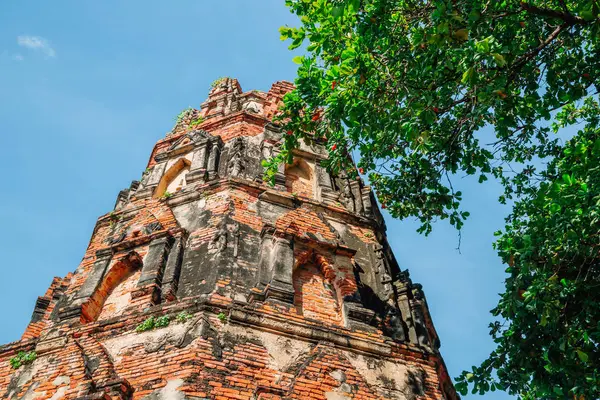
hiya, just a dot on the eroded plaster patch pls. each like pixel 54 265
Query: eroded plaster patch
pixel 379 373
pixel 341 228
pixel 335 396
pixel 60 380
pixel 22 377
pixel 31 394
pixel 116 346
pixel 169 392
pixel 283 351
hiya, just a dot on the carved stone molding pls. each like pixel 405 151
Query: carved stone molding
pixel 172 272
pixel 153 268
pixel 236 165
pixel 205 159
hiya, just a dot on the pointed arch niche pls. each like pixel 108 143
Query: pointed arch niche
pixel 174 178
pixel 299 178
pixel 315 295
pixel 113 294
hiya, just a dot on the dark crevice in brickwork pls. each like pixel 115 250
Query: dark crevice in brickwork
pixel 149 384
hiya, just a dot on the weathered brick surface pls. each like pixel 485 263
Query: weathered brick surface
pixel 287 292
pixel 316 296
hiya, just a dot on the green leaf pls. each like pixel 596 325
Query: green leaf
pixel 467 76
pixel 429 116
pixel 461 34
pixel 337 11
pixel 483 46
pixel 353 6
pixel 596 149
pixel 297 59
pixel 285 33
pixel 500 61
pixel 474 15
pixel 582 356
pixel 348 53
pixel 588 15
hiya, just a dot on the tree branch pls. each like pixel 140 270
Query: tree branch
pixel 527 57
pixel 545 12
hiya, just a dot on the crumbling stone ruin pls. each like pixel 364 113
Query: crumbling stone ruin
pixel 206 283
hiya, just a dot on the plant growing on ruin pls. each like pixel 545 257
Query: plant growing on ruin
pixel 196 122
pixel 162 322
pixel 183 317
pixel 166 195
pixel 182 115
pixel 23 358
pixel 147 325
pixel 218 81
pixel 157 322
pixel 113 219
pixel 222 317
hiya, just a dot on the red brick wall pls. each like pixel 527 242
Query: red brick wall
pixel 315 296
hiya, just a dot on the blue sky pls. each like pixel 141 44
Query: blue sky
pixel 88 87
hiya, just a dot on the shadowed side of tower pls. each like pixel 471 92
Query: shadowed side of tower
pixel 206 283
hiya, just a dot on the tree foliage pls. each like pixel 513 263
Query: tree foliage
pixel 547 346
pixel 407 86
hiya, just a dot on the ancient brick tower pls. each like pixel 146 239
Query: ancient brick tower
pixel 205 283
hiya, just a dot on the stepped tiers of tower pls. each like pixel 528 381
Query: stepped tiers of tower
pixel 204 282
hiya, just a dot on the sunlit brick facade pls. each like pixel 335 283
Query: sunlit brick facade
pixel 288 291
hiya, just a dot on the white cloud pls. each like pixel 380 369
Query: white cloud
pixel 36 43
pixel 17 57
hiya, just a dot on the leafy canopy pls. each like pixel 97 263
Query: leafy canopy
pixel 547 346
pixel 407 86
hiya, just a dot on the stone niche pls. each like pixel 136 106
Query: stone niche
pixel 174 178
pixel 192 158
pixel 299 177
pixel 314 295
